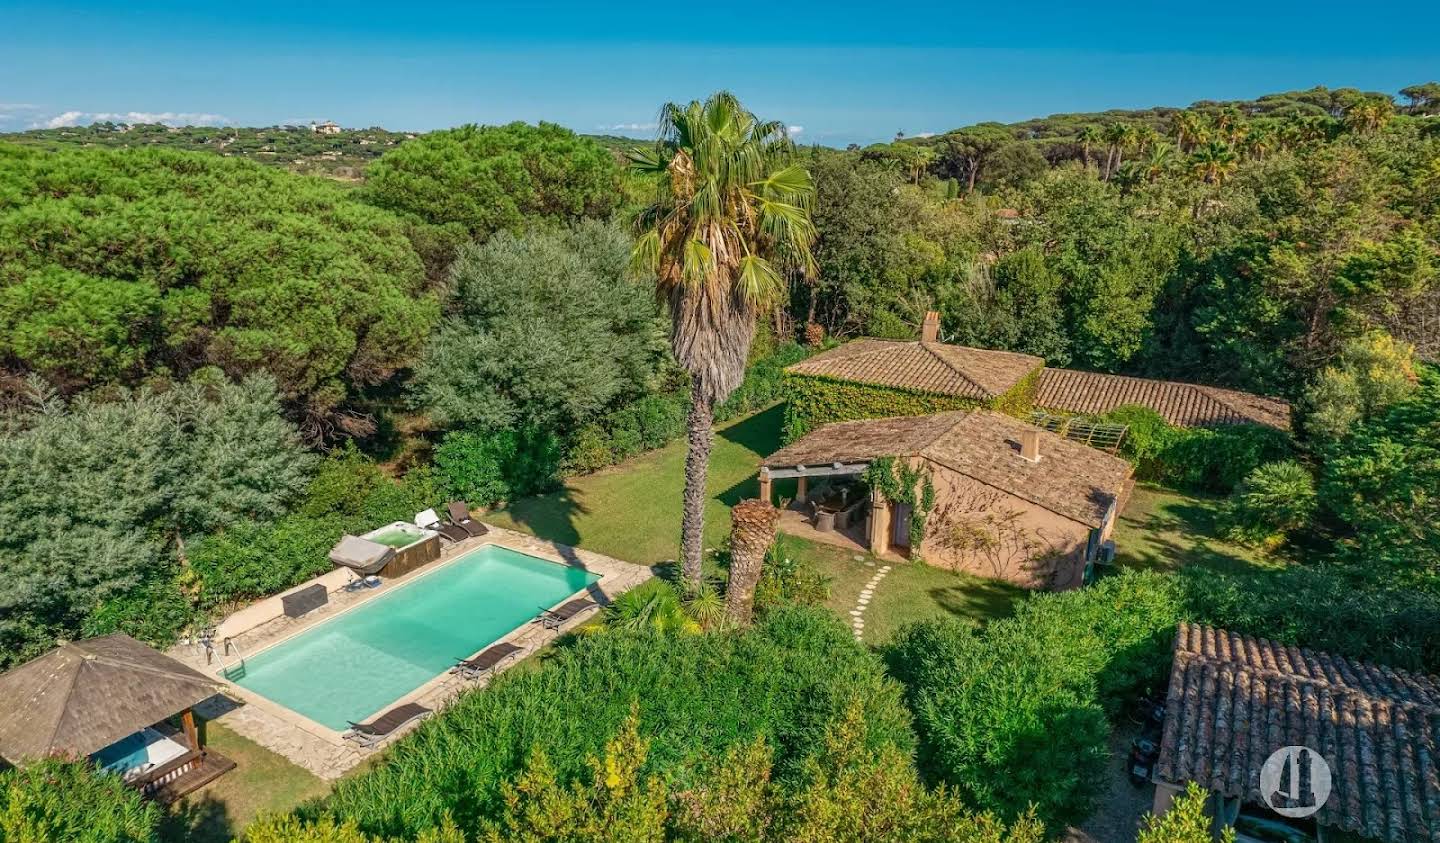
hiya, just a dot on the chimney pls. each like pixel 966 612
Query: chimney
pixel 1030 445
pixel 930 328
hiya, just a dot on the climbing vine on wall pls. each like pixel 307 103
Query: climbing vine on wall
pixel 900 482
pixel 811 402
pixel 814 401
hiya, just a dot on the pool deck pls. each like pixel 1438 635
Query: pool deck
pixel 322 750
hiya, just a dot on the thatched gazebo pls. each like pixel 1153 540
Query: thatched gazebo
pixel 110 699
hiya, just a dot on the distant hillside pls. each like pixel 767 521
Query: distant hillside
pixel 341 156
pixel 1317 102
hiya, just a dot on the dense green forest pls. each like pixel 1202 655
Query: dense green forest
pixel 474 299
pixel 211 368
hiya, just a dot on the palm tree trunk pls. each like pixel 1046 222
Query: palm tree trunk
pixel 751 534
pixel 700 437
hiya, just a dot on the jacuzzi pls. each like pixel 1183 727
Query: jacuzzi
pixel 414 546
pixel 138 753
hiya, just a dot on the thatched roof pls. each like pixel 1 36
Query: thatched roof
pixel 937 368
pixel 83 696
pixel 1181 404
pixel 1071 479
pixel 1235 699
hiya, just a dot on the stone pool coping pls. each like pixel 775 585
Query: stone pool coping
pixel 322 750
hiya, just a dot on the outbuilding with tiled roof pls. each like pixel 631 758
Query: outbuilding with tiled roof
pixel 956 377
pixel 1234 700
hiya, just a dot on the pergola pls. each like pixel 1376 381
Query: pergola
pixel 109 698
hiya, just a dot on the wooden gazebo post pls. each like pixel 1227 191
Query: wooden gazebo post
pixel 187 721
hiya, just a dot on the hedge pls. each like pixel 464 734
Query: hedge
pixel 787 679
pixel 68 800
pixel 1015 714
pixel 1211 459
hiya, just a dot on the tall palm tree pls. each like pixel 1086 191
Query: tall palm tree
pixel 1157 162
pixel 1212 163
pixel 1146 138
pixel 731 218
pixel 1369 115
pixel 1090 138
pixel 1259 140
pixel 1118 135
pixel 1190 130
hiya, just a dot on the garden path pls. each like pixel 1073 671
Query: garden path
pixel 857 614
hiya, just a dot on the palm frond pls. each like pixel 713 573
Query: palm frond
pixel 757 282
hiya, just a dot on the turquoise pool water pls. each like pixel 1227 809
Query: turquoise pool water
pixel 352 666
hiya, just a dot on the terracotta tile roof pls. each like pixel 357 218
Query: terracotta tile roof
pixel 1235 699
pixel 862 441
pixel 1070 479
pixel 943 369
pixel 1183 404
pixel 936 368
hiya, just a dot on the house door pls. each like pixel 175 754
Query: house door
pixel 900 525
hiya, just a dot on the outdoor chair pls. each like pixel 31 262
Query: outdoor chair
pixel 553 619
pixel 371 734
pixel 428 520
pixel 460 516
pixel 487 661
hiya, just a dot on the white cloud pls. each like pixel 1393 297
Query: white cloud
pixel 69 118
pixel 925 135
pixel 628 127
pixel 169 118
pixel 794 130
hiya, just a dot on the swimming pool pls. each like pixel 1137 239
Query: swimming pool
pixel 360 662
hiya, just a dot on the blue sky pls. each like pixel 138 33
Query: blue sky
pixel 842 72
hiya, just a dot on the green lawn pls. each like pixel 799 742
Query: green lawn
pixel 632 512
pixel 1164 530
pixel 261 783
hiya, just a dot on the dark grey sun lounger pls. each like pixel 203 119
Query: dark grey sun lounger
pixel 460 516
pixel 372 733
pixel 487 661
pixel 552 619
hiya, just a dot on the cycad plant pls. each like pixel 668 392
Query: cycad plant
pixel 730 220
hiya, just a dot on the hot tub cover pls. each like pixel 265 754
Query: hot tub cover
pixel 362 556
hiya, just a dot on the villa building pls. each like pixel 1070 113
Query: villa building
pixel 1010 501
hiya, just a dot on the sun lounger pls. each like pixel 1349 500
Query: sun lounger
pixel 372 733
pixel 553 619
pixel 428 520
pixel 362 556
pixel 487 661
pixel 460 516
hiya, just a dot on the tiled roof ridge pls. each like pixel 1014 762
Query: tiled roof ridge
pixel 1397 678
pixel 929 349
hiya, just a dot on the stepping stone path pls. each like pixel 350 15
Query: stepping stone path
pixel 857 615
